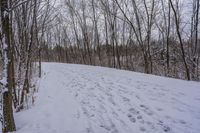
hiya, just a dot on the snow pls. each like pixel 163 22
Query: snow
pixel 3 79
pixel 88 99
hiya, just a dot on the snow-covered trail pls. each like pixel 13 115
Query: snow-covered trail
pixel 86 99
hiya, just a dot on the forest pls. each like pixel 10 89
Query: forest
pixel 159 37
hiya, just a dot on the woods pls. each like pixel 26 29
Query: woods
pixel 21 28
pixel 158 37
pixel 150 36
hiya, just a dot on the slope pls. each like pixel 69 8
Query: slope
pixel 87 99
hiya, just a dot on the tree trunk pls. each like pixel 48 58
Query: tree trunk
pixel 180 41
pixel 8 119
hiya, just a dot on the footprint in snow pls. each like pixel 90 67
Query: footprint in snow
pixel 131 118
pixel 126 99
pixel 134 115
pixel 139 117
pixel 134 111
pixel 105 127
pixel 142 129
pixel 182 122
pixel 146 110
pixel 164 127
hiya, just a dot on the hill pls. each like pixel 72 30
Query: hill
pixel 88 99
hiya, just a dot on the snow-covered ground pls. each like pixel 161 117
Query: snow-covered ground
pixel 87 99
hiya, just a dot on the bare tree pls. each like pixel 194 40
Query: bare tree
pixel 180 39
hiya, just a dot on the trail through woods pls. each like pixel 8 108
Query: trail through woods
pixel 87 99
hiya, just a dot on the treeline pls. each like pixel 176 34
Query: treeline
pixel 128 57
pixel 22 25
pixel 152 36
